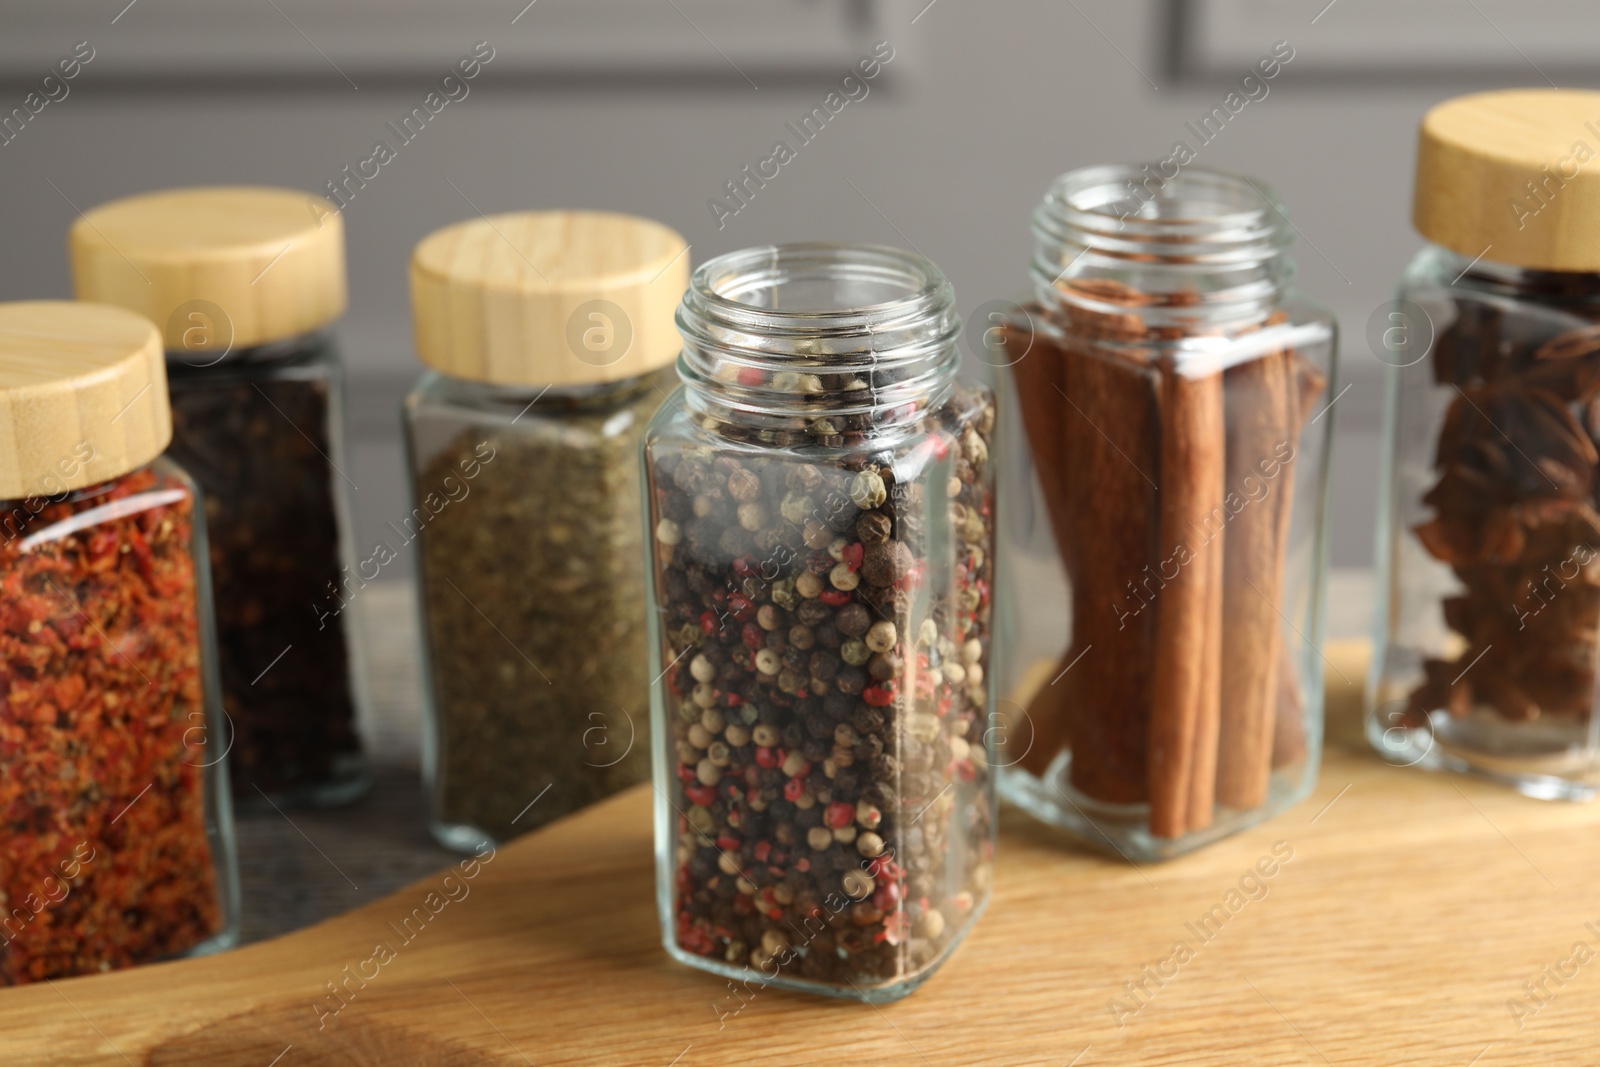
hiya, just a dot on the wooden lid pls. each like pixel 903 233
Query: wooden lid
pixel 1476 157
pixel 218 267
pixel 83 396
pixel 548 297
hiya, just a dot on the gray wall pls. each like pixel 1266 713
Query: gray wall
pixel 987 102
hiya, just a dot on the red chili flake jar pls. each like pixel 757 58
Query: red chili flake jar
pixel 115 840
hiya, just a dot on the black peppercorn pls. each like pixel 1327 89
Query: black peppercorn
pixel 853 619
pixel 868 719
pixel 813 612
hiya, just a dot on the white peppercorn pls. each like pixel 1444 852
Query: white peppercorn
pixel 867 490
pixel 843 578
pixel 881 637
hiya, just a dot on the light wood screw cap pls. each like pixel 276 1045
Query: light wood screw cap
pixel 216 267
pixel 548 297
pixel 83 396
pixel 1513 177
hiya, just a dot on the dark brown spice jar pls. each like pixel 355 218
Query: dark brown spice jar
pixel 243 280
pixel 821 506
pixel 1491 547
pixel 115 842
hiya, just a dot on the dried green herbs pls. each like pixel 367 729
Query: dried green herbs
pixel 533 588
pixel 258 437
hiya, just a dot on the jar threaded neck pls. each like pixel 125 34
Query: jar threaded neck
pixel 789 336
pixel 1204 248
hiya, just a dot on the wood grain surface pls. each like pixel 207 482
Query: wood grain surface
pixel 1413 909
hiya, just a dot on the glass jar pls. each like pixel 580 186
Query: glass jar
pixel 1489 538
pixel 551 339
pixel 244 280
pixel 821 503
pixel 1165 524
pixel 116 846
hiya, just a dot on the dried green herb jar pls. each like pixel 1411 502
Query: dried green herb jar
pixel 550 338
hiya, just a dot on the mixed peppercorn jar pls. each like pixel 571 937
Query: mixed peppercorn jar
pixel 821 506
pixel 116 843
pixel 550 340
pixel 1489 537
pixel 1164 516
pixel 243 281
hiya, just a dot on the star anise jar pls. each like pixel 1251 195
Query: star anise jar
pixel 549 341
pixel 116 840
pixel 1489 540
pixel 1164 507
pixel 244 283
pixel 821 515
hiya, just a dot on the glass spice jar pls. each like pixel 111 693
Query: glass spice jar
pixel 1489 537
pixel 1165 519
pixel 550 339
pixel 821 504
pixel 243 281
pixel 116 839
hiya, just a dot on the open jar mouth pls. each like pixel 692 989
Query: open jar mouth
pixel 1211 243
pixel 809 329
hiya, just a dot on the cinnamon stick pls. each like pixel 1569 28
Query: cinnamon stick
pixel 1289 733
pixel 1184 673
pixel 1259 484
pixel 1109 463
pixel 1039 371
pixel 1208 726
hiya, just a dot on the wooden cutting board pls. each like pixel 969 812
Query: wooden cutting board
pixel 1402 930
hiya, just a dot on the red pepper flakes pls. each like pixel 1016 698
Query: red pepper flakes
pixel 100 755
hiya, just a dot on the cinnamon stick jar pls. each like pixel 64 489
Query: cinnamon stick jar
pixel 1164 522
pixel 116 838
pixel 1489 538
pixel 821 513
pixel 549 340
pixel 244 283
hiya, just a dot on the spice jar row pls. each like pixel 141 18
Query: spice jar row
pixel 805 562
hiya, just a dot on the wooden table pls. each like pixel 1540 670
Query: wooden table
pixel 1413 910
